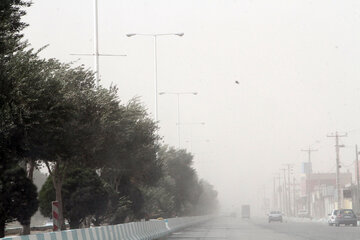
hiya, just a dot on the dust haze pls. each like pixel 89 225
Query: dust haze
pixel 272 77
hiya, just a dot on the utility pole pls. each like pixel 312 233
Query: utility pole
pixel 337 151
pixel 274 194
pixel 308 176
pixel 285 192
pixel 289 167
pixel 357 175
pixel 265 200
pixel 294 195
pixel 279 192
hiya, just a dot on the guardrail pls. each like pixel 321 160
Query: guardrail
pixel 18 230
pixel 128 231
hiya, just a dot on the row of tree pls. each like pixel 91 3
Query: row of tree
pixel 116 195
pixel 103 157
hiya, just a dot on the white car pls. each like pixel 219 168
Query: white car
pixel 332 217
pixel 275 216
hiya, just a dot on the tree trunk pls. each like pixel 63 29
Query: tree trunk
pixel 2 228
pixel 26 229
pixel 30 169
pixel 30 175
pixel 58 186
pixel 57 181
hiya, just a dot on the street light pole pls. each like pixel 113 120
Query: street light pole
pixel 155 62
pixel 190 142
pixel 96 42
pixel 190 123
pixel 178 109
pixel 178 127
pixel 156 79
pixel 96 53
pixel 357 175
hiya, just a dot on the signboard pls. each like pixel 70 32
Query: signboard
pixel 55 215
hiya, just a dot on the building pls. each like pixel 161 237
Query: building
pixel 323 195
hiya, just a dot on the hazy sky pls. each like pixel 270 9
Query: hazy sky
pixel 297 62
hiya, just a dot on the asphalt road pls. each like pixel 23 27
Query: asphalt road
pixel 259 229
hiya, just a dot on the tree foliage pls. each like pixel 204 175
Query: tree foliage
pixel 208 201
pixel 178 165
pixel 84 195
pixel 18 197
pixel 15 66
pixel 160 199
pixel 11 25
pixel 53 113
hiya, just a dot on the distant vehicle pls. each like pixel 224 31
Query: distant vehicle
pixel 346 217
pixel 303 213
pixel 245 211
pixel 275 216
pixel 332 217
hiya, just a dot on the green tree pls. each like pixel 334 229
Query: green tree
pixel 130 157
pixel 71 111
pixel 11 135
pixel 84 195
pixel 131 147
pixel 208 202
pixel 160 200
pixel 20 85
pixel 18 197
pixel 11 26
pixel 178 165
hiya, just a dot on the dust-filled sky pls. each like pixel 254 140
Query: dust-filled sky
pixel 296 61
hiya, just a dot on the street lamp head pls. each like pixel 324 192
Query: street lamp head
pixel 179 34
pixel 130 34
pixel 161 93
pixel 195 93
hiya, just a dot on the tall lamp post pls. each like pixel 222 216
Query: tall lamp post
pixel 178 108
pixel 190 123
pixel 357 175
pixel 155 36
pixel 190 142
pixel 96 53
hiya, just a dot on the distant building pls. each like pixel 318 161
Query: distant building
pixel 322 187
pixel 327 179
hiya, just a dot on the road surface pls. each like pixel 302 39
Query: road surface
pixel 223 228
